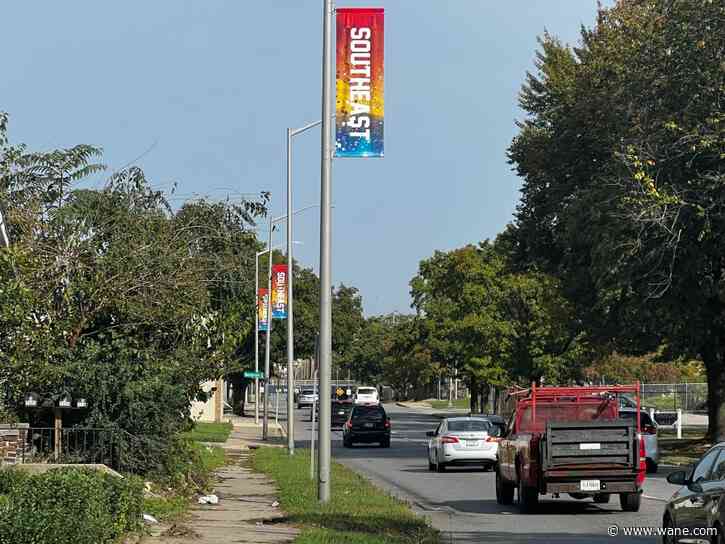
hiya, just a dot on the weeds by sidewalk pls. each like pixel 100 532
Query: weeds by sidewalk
pixel 358 513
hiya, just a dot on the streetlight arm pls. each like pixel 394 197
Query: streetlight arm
pixel 296 131
pixel 283 217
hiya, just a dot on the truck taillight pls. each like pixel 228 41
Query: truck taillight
pixel 387 424
pixel 449 440
pixel 642 463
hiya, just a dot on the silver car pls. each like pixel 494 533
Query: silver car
pixel 464 441
pixel 648 429
pixel 307 397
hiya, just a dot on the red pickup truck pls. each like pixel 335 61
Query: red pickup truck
pixel 571 440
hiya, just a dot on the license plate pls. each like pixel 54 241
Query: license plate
pixel 590 446
pixel 368 425
pixel 472 443
pixel 589 485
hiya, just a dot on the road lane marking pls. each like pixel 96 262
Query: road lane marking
pixel 653 498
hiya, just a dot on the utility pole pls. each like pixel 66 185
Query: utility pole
pixel 256 338
pixel 265 423
pixel 290 313
pixel 325 445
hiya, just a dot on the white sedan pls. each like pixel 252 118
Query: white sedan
pixel 464 441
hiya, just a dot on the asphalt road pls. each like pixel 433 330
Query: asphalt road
pixel 462 502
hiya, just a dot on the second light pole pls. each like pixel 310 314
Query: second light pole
pixel 290 298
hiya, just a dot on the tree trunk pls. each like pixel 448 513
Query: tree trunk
pixel 485 390
pixel 713 355
pixel 474 395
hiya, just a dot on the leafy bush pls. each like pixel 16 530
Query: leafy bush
pixel 68 506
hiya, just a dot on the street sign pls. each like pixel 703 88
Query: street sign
pixel 253 374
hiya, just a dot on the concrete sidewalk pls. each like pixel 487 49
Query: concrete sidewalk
pixel 247 511
pixel 426 408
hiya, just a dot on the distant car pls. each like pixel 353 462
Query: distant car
pixel 367 424
pixel 340 413
pixel 649 435
pixel 471 440
pixel 698 506
pixel 366 395
pixel 307 397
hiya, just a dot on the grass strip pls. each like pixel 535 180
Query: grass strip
pixel 358 512
pixel 443 404
pixel 210 432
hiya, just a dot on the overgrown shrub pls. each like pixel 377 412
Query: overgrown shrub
pixel 68 506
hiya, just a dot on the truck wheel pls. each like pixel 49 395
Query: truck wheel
pixel 440 467
pixel 528 496
pixel 504 491
pixel 630 501
pixel 601 498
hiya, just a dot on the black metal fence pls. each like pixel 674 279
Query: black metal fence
pixel 72 446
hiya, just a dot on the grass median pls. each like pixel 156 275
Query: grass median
pixel 358 513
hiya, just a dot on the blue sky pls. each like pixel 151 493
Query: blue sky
pixel 209 87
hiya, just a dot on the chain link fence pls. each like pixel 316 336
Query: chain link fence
pixel 688 397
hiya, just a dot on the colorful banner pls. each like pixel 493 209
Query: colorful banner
pixel 262 309
pixel 279 291
pixel 360 77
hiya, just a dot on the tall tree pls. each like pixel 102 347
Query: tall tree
pixel 622 156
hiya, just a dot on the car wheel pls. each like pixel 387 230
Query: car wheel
pixel 717 538
pixel 440 467
pixel 504 490
pixel 630 501
pixel 601 498
pixel 651 467
pixel 431 466
pixel 668 536
pixel 347 443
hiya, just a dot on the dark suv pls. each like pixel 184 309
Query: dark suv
pixel 367 423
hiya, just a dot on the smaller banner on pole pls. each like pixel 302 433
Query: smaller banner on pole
pixel 262 309
pixel 279 291
pixel 360 81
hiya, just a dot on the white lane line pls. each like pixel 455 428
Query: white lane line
pixel 653 498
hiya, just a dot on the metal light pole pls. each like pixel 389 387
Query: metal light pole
pixel 265 422
pixel 290 298
pixel 256 330
pixel 256 338
pixel 272 222
pixel 325 444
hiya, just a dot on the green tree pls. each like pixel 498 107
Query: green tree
pixel 622 157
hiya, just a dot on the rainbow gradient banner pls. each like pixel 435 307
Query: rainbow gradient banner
pixel 279 291
pixel 360 80
pixel 262 299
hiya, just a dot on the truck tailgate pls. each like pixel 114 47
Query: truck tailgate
pixel 590 444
